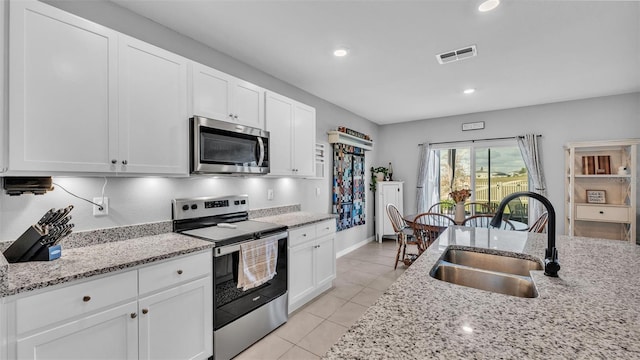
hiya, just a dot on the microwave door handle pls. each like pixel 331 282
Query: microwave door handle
pixel 261 147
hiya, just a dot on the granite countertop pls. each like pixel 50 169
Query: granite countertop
pixel 590 311
pixel 296 219
pixel 83 262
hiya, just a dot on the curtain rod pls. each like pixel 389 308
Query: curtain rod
pixel 472 141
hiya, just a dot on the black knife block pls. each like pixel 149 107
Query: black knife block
pixel 26 247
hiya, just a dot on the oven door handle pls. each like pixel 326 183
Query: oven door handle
pixel 261 147
pixel 226 250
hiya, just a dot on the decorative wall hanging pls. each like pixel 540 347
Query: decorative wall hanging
pixel 348 185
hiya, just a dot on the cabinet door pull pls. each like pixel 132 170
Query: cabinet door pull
pixel 113 161
pixel 134 315
pixel 601 212
pixel 124 162
pixel 179 272
pixel 145 311
pixel 86 298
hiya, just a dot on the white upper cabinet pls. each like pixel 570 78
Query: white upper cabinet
pixel 153 120
pixel 84 98
pixel 63 99
pixel 292 128
pixel 220 96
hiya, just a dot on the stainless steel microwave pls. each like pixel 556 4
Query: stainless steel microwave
pixel 219 147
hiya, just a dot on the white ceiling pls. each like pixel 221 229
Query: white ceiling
pixel 529 52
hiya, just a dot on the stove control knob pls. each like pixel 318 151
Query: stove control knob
pixel 236 202
pixel 185 207
pixel 194 206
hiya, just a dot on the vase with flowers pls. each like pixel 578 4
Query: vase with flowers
pixel 460 196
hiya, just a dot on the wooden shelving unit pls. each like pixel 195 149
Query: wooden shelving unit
pixel 615 217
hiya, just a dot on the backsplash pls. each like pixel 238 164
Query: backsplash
pixel 272 211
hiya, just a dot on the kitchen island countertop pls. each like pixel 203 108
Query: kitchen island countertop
pixel 87 261
pixel 296 219
pixel 590 311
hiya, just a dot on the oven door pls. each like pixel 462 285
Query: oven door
pixel 225 148
pixel 231 302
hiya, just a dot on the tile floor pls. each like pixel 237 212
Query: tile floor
pixel 362 276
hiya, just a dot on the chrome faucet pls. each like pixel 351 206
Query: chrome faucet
pixel 551 265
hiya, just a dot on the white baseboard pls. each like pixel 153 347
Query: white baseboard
pixel 355 246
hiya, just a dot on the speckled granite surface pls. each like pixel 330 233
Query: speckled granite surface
pixel 296 219
pixel 590 311
pixel 100 236
pixel 276 210
pixel 98 259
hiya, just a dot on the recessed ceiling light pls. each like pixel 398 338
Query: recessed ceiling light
pixel 340 52
pixel 469 91
pixel 488 5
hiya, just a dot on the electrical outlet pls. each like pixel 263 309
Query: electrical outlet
pixel 269 194
pixel 105 206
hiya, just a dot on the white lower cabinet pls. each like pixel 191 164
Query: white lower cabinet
pixel 113 318
pixel 312 262
pixel 110 334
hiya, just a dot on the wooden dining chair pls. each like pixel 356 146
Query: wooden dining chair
pixel 428 226
pixel 476 208
pixel 540 224
pixel 404 236
pixel 484 221
pixel 443 207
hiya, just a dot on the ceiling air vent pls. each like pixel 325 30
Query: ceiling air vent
pixel 455 55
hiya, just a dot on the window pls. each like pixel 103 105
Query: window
pixel 491 170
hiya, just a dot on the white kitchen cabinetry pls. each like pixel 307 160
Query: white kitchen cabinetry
pixel 153 122
pixel 594 167
pixel 220 96
pixel 292 128
pixel 84 98
pixel 111 317
pixel 312 262
pixel 388 192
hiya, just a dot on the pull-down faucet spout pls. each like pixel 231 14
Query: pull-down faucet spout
pixel 551 265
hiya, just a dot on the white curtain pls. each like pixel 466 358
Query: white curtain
pixel 421 187
pixel 530 151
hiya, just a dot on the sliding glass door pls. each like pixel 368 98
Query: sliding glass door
pixel 492 170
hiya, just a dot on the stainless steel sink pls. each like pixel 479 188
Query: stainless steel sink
pixel 497 273
pixel 491 262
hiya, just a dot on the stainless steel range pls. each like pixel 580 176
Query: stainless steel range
pixel 241 317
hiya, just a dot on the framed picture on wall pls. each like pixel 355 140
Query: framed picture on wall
pixel 596 197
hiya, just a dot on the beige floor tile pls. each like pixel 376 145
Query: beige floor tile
pixel 367 296
pixel 298 326
pixel 269 348
pixel 348 314
pixel 320 340
pixel 324 306
pixel 376 269
pixel 298 353
pixel 358 277
pixel 344 289
pixel 381 283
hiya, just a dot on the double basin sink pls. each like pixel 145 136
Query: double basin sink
pixel 497 273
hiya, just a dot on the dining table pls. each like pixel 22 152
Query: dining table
pixel 518 225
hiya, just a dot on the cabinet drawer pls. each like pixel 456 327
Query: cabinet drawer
pixel 602 213
pixel 301 235
pixel 35 311
pixel 175 271
pixel 325 228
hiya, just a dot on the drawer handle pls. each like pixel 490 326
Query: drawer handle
pixel 601 212
pixel 145 311
pixel 134 315
pixel 86 298
pixel 179 272
pixel 304 235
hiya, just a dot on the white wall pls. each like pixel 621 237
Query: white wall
pixel 134 201
pixel 604 118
